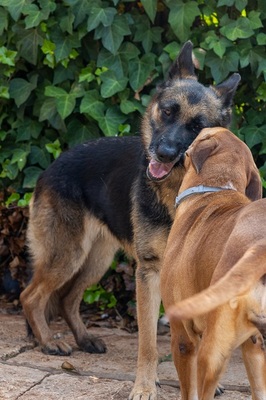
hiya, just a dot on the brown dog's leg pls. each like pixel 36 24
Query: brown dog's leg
pixel 254 358
pixel 184 352
pixel 96 264
pixel 215 350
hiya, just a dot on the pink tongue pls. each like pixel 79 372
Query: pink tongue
pixel 159 170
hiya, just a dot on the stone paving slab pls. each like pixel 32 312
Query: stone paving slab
pixel 26 373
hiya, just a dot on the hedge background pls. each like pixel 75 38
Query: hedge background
pixel 72 70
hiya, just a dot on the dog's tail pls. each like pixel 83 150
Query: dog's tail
pixel 241 278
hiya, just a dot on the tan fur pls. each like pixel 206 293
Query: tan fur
pixel 217 239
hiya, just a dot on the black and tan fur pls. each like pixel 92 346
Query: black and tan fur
pixel 117 193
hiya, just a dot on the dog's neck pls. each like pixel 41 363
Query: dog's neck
pixel 197 190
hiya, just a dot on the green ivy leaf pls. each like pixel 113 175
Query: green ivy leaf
pixel 253 135
pixel 19 157
pixel 20 90
pixel 261 39
pixel 111 85
pixel 86 75
pixel 64 44
pixel 150 6
pixel 254 19
pixel 81 9
pixel 26 200
pixel 15 7
pixel 48 109
pixel 182 16
pixel 80 133
pixel 31 176
pixel 119 62
pixel 66 23
pixel 3 20
pixel 140 69
pixel 29 44
pixel 65 105
pixel 90 104
pixel 147 36
pixel 13 198
pixel 112 36
pixel 29 128
pixel 109 124
pixel 241 4
pixel 220 68
pixel 227 3
pixel 100 15
pixel 34 15
pixel 54 148
pixel 239 29
pixel 7 57
pixel 53 91
pixel 39 156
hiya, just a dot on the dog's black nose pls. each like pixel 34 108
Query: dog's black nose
pixel 165 153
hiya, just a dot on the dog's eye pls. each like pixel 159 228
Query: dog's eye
pixel 167 111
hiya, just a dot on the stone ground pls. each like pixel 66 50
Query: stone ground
pixel 28 374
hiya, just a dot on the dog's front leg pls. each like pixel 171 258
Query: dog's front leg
pixel 148 304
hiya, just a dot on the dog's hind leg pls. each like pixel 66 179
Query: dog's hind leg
pixel 184 352
pixel 35 299
pixel 255 362
pixel 215 350
pixel 59 246
pixel 94 267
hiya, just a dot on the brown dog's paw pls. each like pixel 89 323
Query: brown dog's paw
pixel 57 348
pixel 92 344
pixel 219 390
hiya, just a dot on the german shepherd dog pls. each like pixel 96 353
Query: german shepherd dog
pixel 115 193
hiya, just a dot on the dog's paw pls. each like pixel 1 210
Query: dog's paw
pixel 57 348
pixel 219 390
pixel 92 344
pixel 144 393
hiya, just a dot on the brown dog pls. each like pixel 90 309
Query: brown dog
pixel 217 229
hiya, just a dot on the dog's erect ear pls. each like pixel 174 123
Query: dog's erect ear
pixel 226 90
pixel 183 67
pixel 201 150
pixel 254 188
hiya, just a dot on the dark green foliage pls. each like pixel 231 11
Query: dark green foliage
pixel 78 69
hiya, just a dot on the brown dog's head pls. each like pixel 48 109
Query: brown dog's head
pixel 218 158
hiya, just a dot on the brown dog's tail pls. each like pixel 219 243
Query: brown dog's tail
pixel 241 277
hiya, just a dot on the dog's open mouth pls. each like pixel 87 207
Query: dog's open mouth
pixel 158 171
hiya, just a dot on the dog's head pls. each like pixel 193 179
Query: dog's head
pixel 218 158
pixel 180 109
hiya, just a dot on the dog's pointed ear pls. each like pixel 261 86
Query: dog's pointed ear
pixel 183 66
pixel 200 150
pixel 226 90
pixel 254 187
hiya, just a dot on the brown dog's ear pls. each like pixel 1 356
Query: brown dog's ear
pixel 201 150
pixel 254 188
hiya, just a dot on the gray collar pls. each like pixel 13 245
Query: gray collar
pixel 198 189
